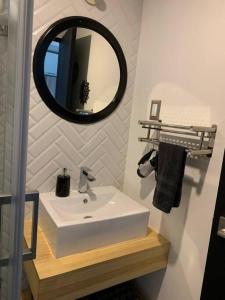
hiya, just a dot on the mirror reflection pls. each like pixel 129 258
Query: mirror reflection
pixel 81 70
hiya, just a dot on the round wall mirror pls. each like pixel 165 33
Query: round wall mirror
pixel 80 70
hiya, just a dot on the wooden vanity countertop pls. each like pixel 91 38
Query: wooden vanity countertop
pixel 78 275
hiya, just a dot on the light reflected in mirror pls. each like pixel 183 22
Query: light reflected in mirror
pixel 81 70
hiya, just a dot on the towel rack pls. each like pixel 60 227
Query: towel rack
pixel 204 136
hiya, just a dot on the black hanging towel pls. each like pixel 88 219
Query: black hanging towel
pixel 171 165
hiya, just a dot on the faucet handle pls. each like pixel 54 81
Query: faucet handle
pixel 85 176
pixel 85 170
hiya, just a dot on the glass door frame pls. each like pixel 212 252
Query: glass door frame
pixel 19 33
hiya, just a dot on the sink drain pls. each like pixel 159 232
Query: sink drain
pixel 88 217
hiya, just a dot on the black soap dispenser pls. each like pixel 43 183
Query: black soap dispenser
pixel 63 184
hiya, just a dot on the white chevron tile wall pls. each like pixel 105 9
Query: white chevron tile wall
pixel 55 143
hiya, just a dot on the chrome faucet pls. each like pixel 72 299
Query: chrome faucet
pixel 85 176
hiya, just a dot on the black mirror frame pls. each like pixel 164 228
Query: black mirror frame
pixel 38 69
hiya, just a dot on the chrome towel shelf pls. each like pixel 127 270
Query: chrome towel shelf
pixel 201 145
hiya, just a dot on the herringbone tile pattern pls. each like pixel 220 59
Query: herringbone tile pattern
pixel 55 143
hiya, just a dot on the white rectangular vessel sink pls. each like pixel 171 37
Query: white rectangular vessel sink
pixel 83 222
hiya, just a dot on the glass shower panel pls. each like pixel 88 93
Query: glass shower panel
pixel 4 209
pixel 14 86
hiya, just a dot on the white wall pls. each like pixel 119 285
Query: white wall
pixel 182 62
pixel 55 143
pixel 103 76
pixel 103 71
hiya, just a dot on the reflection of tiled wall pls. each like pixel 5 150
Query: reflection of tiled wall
pixel 55 143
